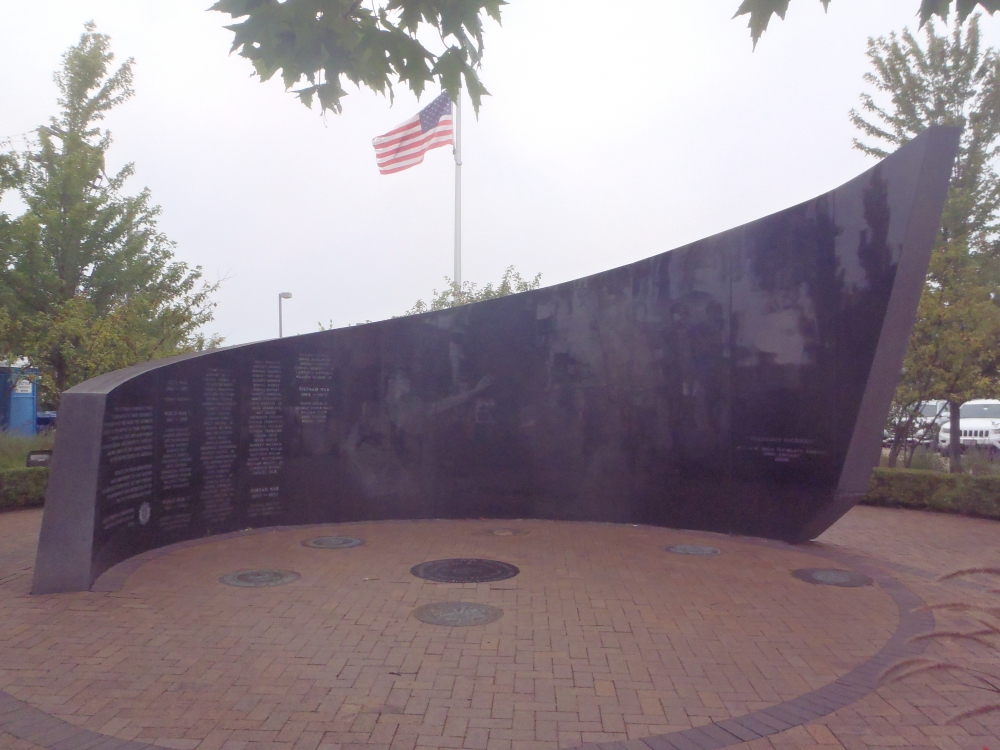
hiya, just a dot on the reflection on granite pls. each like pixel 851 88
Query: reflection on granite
pixel 737 384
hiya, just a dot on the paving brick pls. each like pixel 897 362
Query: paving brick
pixel 605 637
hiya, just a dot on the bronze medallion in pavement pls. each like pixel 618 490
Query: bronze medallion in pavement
pixel 260 577
pixel 457 614
pixel 693 549
pixel 333 542
pixel 832 577
pixel 464 570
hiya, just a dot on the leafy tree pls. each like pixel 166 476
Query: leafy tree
pixel 760 11
pixel 324 42
pixel 320 44
pixel 510 283
pixel 89 284
pixel 908 427
pixel 953 352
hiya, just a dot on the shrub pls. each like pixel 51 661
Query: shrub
pixel 23 488
pixel 936 491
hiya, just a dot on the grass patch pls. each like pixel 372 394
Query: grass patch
pixel 21 487
pixel 14 448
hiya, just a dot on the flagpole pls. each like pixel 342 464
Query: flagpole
pixel 458 192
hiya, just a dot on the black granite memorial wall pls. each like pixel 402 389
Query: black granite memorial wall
pixel 737 384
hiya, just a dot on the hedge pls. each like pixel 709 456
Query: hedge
pixel 936 491
pixel 23 488
pixel 902 488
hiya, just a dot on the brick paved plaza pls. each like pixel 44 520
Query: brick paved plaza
pixel 606 638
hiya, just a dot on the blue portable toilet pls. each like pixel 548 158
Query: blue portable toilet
pixel 18 410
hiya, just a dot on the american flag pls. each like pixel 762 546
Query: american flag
pixel 405 146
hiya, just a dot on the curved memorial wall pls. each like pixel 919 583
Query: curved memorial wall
pixel 737 384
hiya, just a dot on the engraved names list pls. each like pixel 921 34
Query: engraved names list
pixel 218 449
pixel 176 468
pixel 265 452
pixel 127 450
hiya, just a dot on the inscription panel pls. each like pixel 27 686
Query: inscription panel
pixel 312 380
pixel 176 458
pixel 219 447
pixel 265 419
pixel 127 454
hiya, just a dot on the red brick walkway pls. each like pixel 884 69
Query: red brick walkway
pixel 606 638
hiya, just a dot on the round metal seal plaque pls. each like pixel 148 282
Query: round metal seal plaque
pixel 692 549
pixel 333 542
pixel 258 578
pixel 457 614
pixel 501 532
pixel 832 577
pixel 464 570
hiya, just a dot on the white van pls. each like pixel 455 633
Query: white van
pixel 980 425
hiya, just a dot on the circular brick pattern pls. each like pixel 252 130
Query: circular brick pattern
pixel 464 570
pixel 502 532
pixel 693 549
pixel 259 577
pixel 585 578
pixel 333 542
pixel 832 577
pixel 457 614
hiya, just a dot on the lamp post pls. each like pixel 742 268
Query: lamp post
pixel 281 296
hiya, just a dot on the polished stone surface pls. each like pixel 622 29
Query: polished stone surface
pixel 832 577
pixel 259 578
pixel 333 542
pixel 737 384
pixel 693 549
pixel 503 532
pixel 464 570
pixel 458 614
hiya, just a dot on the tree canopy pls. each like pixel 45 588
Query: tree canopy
pixel 90 284
pixel 760 11
pixel 318 45
pixel 953 352
pixel 322 43
pixel 451 296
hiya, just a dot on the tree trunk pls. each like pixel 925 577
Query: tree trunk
pixel 894 453
pixel 902 432
pixel 955 446
pixel 60 372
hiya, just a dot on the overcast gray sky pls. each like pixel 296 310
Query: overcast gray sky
pixel 615 132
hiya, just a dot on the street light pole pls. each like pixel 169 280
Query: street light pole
pixel 281 296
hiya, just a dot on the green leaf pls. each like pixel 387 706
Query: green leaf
pixel 760 12
pixel 326 42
